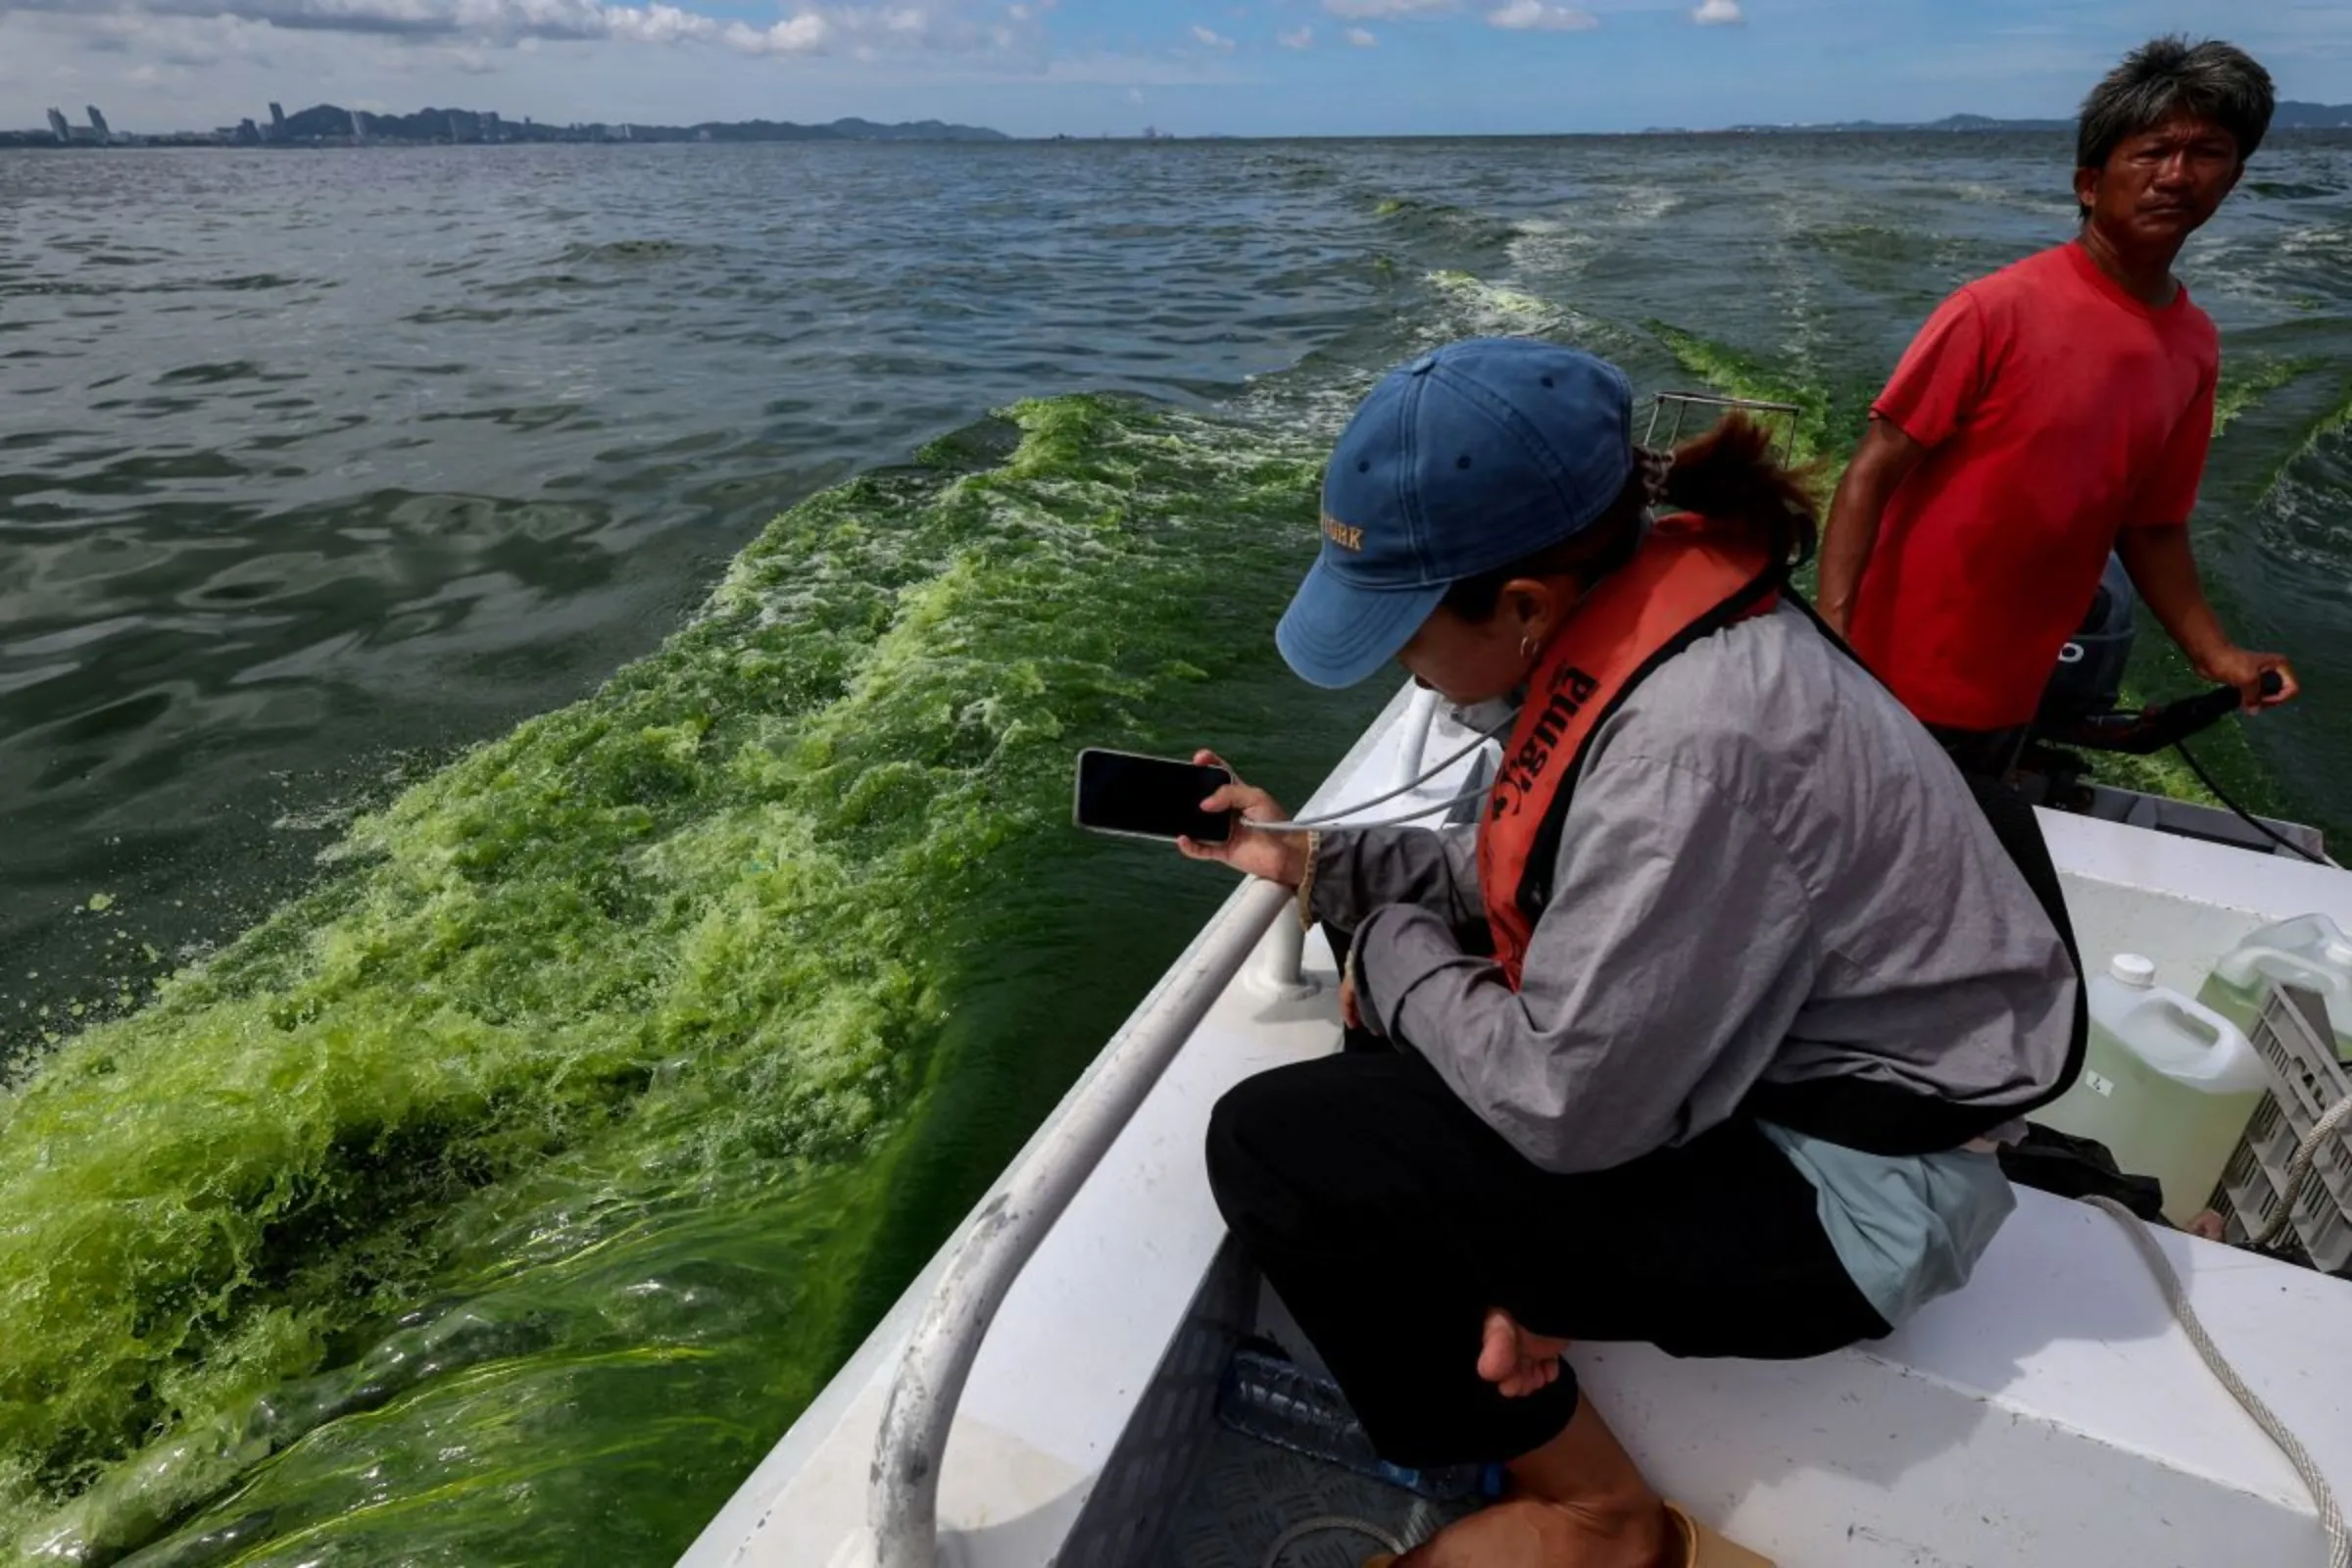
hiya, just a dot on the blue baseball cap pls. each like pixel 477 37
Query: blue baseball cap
pixel 1462 461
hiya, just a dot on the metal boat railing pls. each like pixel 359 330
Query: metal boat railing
pixel 903 1508
pixel 902 1504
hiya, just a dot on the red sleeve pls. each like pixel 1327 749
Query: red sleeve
pixel 2170 494
pixel 1942 374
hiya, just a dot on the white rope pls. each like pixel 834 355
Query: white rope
pixel 2332 1518
pixel 1323 1523
pixel 2299 1167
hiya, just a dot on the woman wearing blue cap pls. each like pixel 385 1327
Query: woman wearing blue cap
pixel 1707 1040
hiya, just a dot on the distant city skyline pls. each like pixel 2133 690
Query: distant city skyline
pixel 332 126
pixel 1192 66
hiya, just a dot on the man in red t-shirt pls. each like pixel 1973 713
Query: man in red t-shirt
pixel 2047 414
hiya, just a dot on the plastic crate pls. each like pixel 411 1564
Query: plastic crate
pixel 2296 1040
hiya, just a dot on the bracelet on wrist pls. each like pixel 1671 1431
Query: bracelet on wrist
pixel 1306 881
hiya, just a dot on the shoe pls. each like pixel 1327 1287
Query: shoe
pixel 1707 1549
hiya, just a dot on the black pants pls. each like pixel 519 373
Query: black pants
pixel 1983 752
pixel 1391 1220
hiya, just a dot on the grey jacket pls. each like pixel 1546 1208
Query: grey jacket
pixel 1769 870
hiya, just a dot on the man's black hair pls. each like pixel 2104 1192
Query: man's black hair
pixel 2168 77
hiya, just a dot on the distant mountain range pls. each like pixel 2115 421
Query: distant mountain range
pixel 327 121
pixel 2291 115
pixel 330 125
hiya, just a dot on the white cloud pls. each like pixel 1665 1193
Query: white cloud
pixel 1301 38
pixel 1360 38
pixel 1535 15
pixel 1209 38
pixel 483 23
pixel 180 44
pixel 1365 9
pixel 804 34
pixel 546 19
pixel 1717 13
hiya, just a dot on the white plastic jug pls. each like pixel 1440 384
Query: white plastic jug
pixel 2310 951
pixel 2167 1085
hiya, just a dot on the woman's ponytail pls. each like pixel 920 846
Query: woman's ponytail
pixel 1729 477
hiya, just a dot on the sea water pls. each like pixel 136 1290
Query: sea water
pixel 537 694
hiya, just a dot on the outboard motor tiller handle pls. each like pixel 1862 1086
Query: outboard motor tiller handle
pixel 2144 733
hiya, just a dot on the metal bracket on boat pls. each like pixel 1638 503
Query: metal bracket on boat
pixel 1278 971
pixel 903 1506
pixel 1684 402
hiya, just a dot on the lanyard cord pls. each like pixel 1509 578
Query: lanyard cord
pixel 1339 816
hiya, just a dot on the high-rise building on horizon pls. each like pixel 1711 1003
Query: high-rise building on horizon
pixel 98 125
pixel 58 125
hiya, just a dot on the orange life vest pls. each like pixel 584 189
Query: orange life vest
pixel 1688 578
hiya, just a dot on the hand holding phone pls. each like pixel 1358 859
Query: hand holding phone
pixel 1275 857
pixel 1138 797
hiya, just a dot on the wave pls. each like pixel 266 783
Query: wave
pixel 2247 380
pixel 559 1146
pixel 243 284
pixel 1419 218
pixel 2287 190
pixel 1479 308
pixel 2314 441
pixel 624 252
pixel 1879 244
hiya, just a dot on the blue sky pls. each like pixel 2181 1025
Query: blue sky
pixel 1084 66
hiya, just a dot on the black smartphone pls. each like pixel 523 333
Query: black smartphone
pixel 1148 797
